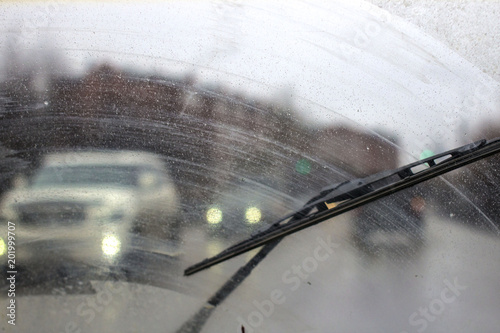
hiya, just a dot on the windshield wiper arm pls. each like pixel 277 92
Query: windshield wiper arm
pixel 341 198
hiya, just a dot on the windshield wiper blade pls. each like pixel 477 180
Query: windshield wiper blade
pixel 341 198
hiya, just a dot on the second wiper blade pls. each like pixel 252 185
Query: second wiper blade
pixel 356 193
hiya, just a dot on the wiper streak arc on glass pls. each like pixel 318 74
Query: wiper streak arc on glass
pixel 358 192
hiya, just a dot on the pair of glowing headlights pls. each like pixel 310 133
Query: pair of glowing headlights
pixel 214 215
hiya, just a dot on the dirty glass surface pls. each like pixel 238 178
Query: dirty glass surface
pixel 139 138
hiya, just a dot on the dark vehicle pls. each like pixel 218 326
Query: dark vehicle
pixel 395 221
pixel 246 207
pixel 392 222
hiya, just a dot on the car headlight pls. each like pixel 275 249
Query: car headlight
pixel 3 247
pixel 214 215
pixel 110 245
pixel 253 215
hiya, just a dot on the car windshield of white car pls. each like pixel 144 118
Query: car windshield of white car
pixel 88 175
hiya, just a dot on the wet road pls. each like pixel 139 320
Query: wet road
pixel 315 281
pixel 451 284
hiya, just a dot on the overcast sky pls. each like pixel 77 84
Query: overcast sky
pixel 343 61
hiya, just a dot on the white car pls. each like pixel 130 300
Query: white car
pixel 84 207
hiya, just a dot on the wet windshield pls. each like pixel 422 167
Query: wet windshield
pixel 140 138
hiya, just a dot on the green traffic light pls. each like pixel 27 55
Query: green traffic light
pixel 303 166
pixel 426 153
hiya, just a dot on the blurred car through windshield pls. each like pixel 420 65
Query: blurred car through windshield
pixel 83 207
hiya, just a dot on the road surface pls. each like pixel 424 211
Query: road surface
pixel 314 281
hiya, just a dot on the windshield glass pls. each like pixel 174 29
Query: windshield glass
pixel 216 118
pixel 86 175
